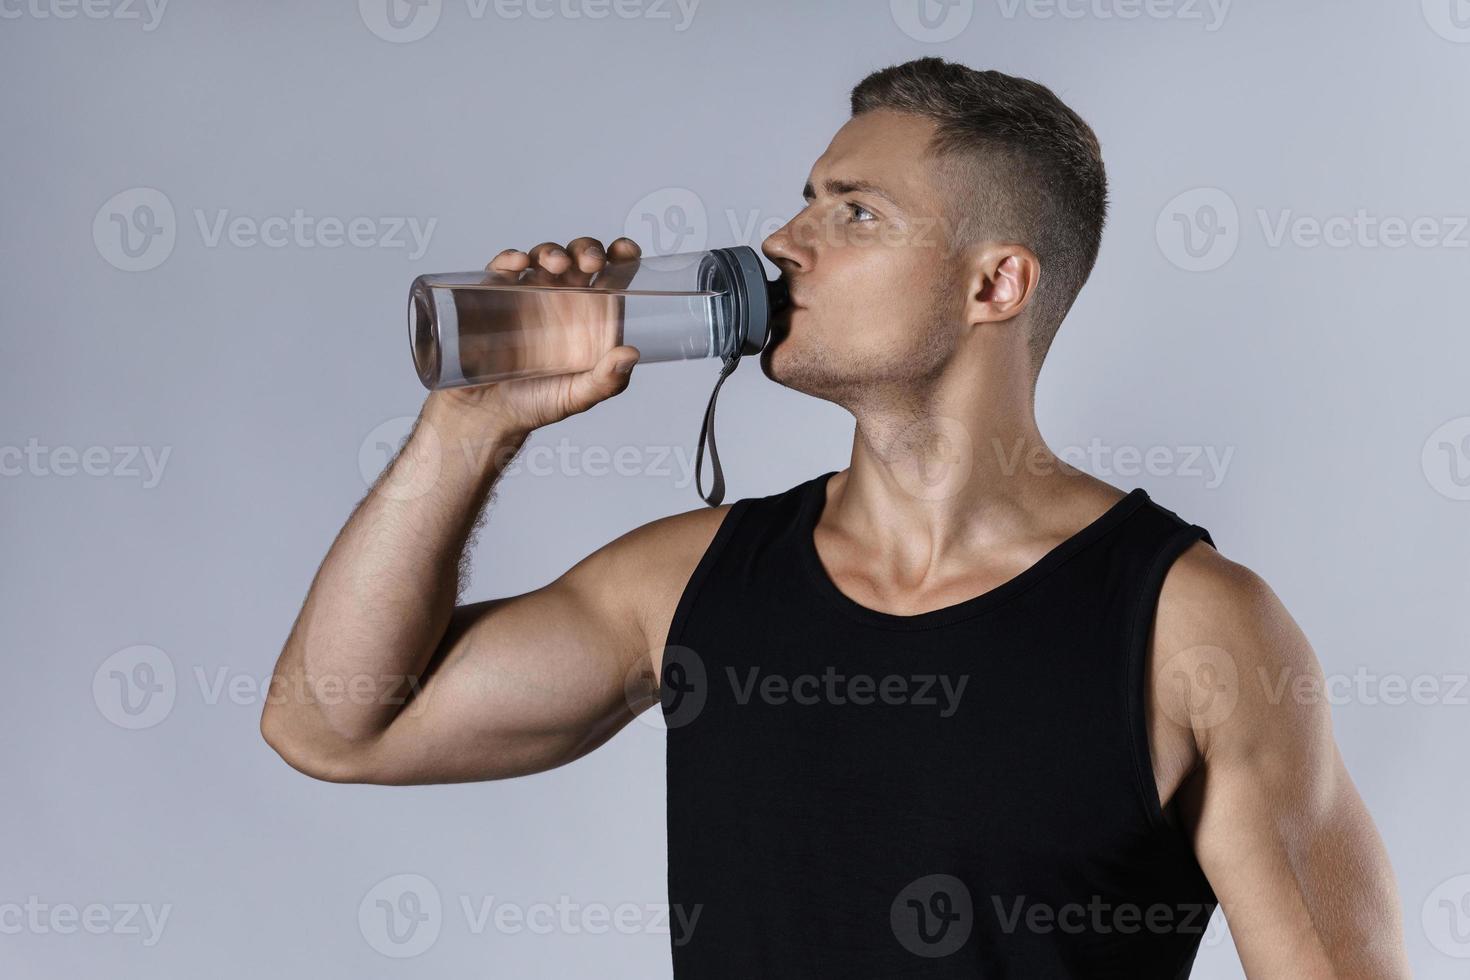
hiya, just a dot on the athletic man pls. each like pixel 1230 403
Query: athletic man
pixel 956 710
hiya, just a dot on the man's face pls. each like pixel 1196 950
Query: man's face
pixel 869 264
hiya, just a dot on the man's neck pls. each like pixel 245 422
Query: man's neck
pixel 965 467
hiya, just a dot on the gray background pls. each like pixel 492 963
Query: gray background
pixel 1333 377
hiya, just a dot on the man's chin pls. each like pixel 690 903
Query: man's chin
pixel 776 361
pixel 791 368
pixel 766 356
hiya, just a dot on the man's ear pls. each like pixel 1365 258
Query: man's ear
pixel 1003 281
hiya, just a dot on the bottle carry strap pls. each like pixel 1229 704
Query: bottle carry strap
pixel 717 487
pixel 753 300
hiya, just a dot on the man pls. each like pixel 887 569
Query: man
pixel 958 710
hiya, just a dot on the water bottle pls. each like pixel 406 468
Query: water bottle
pixel 473 328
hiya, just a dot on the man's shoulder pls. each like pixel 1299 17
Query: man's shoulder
pixel 667 547
pixel 652 564
pixel 1222 627
pixel 664 551
pixel 1210 592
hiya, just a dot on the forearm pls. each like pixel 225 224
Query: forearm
pixel 383 596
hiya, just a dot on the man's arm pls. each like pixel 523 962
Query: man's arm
pixel 1278 827
pixel 384 680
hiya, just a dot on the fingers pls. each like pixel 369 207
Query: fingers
pixel 604 380
pixel 546 261
pixel 616 365
pixel 579 260
pixel 623 255
pixel 551 257
pixel 510 260
pixel 624 248
pixel 587 254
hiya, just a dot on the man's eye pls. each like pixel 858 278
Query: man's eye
pixel 856 210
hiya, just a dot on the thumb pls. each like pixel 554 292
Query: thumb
pixel 605 379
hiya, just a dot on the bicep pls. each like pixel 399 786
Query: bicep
pixel 1278 826
pixel 522 684
pixel 1300 871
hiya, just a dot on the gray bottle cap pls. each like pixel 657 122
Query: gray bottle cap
pixel 752 302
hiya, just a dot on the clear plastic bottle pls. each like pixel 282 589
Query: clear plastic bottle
pixel 471 328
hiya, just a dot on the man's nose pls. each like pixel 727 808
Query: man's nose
pixel 784 248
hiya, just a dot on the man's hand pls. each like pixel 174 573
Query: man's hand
pixel 568 327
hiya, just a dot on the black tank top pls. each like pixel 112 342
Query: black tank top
pixel 966 792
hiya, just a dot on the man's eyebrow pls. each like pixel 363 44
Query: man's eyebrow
pixel 837 186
